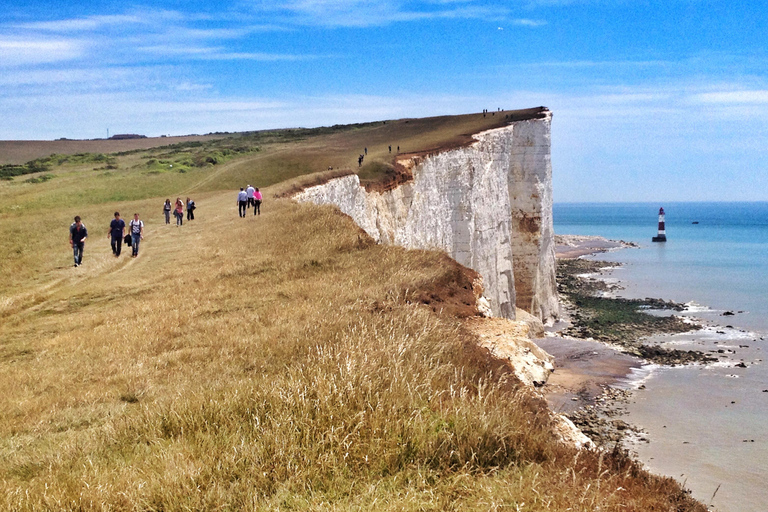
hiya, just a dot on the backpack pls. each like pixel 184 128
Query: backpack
pixel 140 224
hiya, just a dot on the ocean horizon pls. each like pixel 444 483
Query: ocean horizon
pixel 705 423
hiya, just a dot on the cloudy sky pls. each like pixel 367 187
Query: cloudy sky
pixel 653 100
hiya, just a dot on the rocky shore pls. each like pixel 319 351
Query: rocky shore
pixel 594 313
pixel 603 339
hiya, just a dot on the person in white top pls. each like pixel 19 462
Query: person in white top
pixel 242 202
pixel 137 233
pixel 250 191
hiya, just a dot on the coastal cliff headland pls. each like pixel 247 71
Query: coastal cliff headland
pixel 273 361
pixel 488 204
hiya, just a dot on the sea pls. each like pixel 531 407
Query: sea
pixel 705 425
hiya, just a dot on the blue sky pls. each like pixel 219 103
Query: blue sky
pixel 652 100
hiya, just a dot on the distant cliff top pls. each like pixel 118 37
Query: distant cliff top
pixel 432 135
pixel 401 140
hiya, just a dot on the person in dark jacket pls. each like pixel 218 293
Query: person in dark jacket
pixel 190 209
pixel 77 235
pixel 117 232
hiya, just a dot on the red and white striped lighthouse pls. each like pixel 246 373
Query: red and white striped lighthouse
pixel 662 236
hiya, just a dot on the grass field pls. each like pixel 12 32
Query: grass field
pixel 273 362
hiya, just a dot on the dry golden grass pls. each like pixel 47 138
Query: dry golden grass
pixel 265 363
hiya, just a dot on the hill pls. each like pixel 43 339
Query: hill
pixel 281 361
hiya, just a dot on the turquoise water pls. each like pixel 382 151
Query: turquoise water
pixel 706 423
pixel 721 262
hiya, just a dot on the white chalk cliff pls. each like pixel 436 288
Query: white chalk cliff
pixel 488 205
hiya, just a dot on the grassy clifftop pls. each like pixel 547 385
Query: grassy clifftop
pixel 274 362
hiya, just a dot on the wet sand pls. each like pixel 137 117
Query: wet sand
pixel 583 370
pixel 575 246
pixel 699 423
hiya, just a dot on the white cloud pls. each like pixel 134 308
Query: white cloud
pixel 26 51
pixel 601 64
pixel 80 24
pixel 191 87
pixel 221 53
pixel 759 97
pixel 529 23
pixel 367 13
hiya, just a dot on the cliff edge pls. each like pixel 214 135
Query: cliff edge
pixel 487 203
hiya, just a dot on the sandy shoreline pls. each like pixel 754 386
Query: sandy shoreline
pixel 598 387
pixel 590 378
pixel 574 246
pixel 583 368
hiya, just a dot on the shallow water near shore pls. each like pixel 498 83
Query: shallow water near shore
pixel 706 425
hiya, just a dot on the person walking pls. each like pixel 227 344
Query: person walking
pixel 190 209
pixel 242 202
pixel 167 211
pixel 77 235
pixel 137 234
pixel 116 232
pixel 179 212
pixel 249 190
pixel 257 202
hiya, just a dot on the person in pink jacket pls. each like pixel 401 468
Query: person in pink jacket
pixel 257 202
pixel 178 211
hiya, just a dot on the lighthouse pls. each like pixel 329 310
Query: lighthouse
pixel 662 236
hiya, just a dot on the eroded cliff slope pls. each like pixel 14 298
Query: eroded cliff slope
pixel 487 204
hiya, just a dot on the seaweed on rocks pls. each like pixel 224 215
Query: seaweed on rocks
pixel 619 321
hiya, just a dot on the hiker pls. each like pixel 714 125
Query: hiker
pixel 137 234
pixel 190 209
pixel 366 151
pixel 167 211
pixel 398 149
pixel 242 202
pixel 249 190
pixel 360 160
pixel 179 212
pixel 116 232
pixel 257 202
pixel 390 148
pixel 77 235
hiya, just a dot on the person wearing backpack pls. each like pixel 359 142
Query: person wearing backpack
pixel 137 234
pixel 77 236
pixel 167 211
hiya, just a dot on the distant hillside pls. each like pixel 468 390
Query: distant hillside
pixel 22 151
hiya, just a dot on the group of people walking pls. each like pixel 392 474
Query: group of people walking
pixel 118 236
pixel 78 234
pixel 249 197
pixel 178 210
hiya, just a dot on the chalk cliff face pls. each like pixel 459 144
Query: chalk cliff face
pixel 488 205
